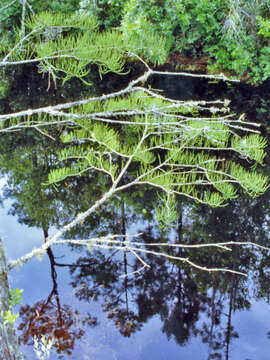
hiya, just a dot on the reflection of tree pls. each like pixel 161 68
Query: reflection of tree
pixel 55 321
pixel 26 159
pixel 210 331
pixel 27 162
pixel 180 322
pixel 163 289
pixel 243 221
pixel 104 274
pixel 262 276
pixel 179 295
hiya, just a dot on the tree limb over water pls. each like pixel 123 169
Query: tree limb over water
pixel 134 136
pixel 110 242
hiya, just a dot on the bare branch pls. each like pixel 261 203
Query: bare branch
pixel 186 260
pixel 215 77
pixel 110 242
pixel 22 32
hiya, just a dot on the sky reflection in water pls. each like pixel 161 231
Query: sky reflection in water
pixel 104 341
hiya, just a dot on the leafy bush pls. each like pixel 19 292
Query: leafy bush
pixel 108 12
pixel 10 16
pixel 234 35
pixel 15 298
pixel 160 15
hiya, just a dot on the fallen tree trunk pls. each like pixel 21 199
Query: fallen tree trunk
pixel 9 347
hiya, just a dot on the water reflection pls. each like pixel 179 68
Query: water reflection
pixel 188 302
pixel 192 306
pixel 178 294
pixel 53 320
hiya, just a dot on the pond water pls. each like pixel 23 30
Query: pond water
pixel 88 300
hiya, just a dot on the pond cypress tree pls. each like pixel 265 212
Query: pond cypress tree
pixel 134 136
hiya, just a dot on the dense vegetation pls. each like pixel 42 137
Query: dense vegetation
pixel 232 36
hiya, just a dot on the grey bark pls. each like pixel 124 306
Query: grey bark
pixel 9 347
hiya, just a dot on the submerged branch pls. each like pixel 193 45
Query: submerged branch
pixel 132 87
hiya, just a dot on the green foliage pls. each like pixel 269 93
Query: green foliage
pixel 251 146
pixel 214 131
pixel 137 100
pixel 47 20
pixel 252 182
pixel 198 25
pixel 232 34
pixel 176 159
pixel 226 32
pixel 10 318
pixel 15 298
pixel 4 86
pixel 166 212
pixel 138 16
pixel 108 12
pixel 264 27
pixel 10 17
pixel 69 44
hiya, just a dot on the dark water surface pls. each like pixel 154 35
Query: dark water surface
pixel 169 311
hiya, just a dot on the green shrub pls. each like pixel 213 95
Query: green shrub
pixel 11 15
pixel 233 34
pixel 161 15
pixel 108 12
